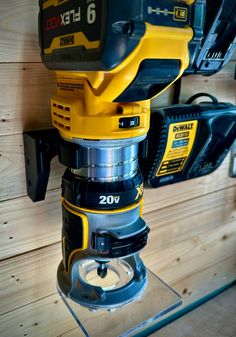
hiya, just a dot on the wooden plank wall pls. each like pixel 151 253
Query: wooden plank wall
pixel 193 239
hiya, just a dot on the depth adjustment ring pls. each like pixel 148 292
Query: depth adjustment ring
pixel 90 195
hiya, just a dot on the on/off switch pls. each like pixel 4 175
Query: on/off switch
pixel 128 122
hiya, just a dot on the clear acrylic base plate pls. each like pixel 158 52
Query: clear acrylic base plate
pixel 157 300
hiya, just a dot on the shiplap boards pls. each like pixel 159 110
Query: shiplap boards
pixel 19 31
pixel 26 90
pixel 221 85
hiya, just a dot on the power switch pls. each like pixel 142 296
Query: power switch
pixel 128 122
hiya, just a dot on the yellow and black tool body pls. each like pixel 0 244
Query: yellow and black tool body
pixel 111 58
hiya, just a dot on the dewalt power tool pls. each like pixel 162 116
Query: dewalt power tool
pixel 111 58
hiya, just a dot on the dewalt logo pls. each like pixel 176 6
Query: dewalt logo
pixel 67 40
pixel 183 127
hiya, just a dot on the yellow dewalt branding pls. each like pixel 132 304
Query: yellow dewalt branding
pixel 75 40
pixel 180 142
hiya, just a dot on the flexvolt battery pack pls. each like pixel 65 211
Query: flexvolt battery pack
pixel 187 141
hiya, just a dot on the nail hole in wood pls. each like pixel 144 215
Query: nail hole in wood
pixel 5 222
pixel 185 291
pixel 17 280
pixel 3 120
pixel 10 237
pixel 12 276
pixel 21 325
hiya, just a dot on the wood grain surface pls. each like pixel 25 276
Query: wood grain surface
pixel 18 31
pixel 26 90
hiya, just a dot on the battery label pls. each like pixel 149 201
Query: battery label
pixel 180 143
pixel 77 88
pixel 181 137
pixel 68 24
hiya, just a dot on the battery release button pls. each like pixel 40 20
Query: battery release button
pixel 128 122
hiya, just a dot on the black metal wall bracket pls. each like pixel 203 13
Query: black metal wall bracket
pixel 41 146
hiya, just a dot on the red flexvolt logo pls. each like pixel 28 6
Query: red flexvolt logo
pixel 53 23
pixel 63 20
